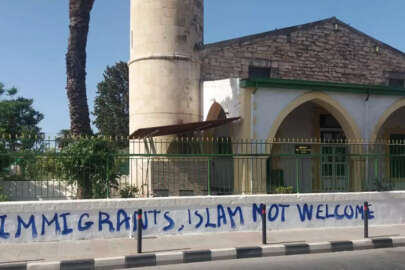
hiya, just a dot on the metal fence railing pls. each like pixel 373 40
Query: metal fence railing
pixel 198 166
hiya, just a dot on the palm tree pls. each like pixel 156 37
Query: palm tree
pixel 79 14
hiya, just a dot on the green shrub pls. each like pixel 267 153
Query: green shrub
pixel 283 190
pixel 89 163
pixel 3 197
pixel 128 191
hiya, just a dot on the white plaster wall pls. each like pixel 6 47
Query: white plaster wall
pixel 191 215
pixel 225 92
pixel 366 113
pixel 268 104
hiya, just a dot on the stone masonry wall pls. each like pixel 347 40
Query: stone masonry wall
pixel 315 51
pixel 187 177
pixel 179 177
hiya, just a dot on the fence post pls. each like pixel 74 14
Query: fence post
pixel 264 220
pixel 365 209
pixel 376 173
pixel 209 177
pixel 297 169
pixel 140 228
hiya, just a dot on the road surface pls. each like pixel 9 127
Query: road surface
pixel 378 259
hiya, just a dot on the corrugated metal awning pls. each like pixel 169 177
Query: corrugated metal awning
pixel 179 129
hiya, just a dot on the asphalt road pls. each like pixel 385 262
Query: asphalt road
pixel 378 259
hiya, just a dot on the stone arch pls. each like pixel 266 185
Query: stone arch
pixel 342 116
pixel 393 108
pixel 216 112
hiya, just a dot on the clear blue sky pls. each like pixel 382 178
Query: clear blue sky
pixel 34 33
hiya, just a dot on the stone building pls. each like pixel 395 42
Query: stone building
pixel 322 81
pixel 317 82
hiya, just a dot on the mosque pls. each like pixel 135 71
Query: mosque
pixel 322 81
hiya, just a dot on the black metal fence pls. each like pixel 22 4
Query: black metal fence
pixel 199 166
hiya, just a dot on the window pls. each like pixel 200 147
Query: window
pixel 397 156
pixel 396 83
pixel 259 72
pixel 330 129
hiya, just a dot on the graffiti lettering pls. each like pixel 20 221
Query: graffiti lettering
pixel 49 223
pixel 3 234
pixel 220 217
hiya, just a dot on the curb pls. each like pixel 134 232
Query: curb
pixel 166 258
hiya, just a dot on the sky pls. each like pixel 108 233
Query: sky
pixel 34 34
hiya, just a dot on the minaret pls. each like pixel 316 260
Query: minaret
pixel 164 69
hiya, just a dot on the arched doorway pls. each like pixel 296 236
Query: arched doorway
pixel 312 167
pixel 389 139
pixel 221 168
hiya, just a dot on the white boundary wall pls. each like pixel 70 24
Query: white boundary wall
pixel 38 190
pixel 99 219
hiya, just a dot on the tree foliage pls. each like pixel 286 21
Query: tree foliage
pixel 19 131
pixel 111 106
pixel 18 121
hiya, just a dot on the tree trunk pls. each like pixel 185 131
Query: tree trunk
pixel 79 14
pixel 85 188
